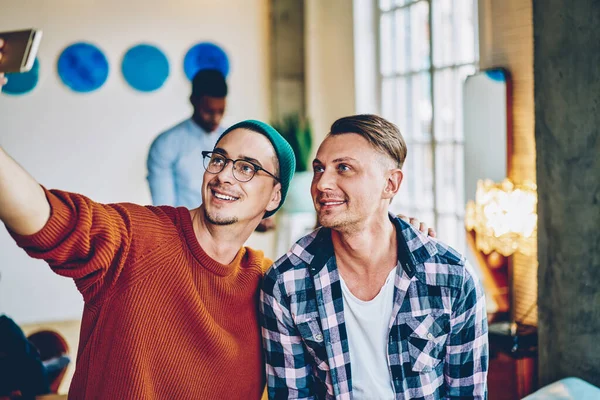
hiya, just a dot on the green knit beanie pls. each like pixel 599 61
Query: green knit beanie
pixel 283 150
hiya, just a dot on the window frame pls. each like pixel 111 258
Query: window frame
pixel 431 70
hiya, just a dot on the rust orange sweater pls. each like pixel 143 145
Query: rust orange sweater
pixel 162 320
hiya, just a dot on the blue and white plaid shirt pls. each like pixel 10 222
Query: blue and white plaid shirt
pixel 437 347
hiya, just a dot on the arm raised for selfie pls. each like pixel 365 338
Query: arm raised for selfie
pixel 24 208
pixel 81 239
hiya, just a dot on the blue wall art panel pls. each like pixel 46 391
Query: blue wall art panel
pixel 145 67
pixel 205 56
pixel 23 82
pixel 83 67
pixel 497 75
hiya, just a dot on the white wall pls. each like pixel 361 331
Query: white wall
pixel 330 92
pixel 96 143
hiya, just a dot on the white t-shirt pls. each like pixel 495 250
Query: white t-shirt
pixel 367 326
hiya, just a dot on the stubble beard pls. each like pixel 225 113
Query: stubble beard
pixel 216 220
pixel 343 222
pixel 337 222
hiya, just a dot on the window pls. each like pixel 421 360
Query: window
pixel 426 50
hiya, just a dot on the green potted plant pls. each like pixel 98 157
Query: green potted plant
pixel 298 132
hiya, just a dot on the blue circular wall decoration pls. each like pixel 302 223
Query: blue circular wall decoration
pixel 205 56
pixel 23 82
pixel 497 75
pixel 145 67
pixel 82 67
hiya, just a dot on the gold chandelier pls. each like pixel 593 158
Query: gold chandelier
pixel 504 217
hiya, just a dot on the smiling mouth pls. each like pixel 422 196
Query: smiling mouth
pixel 224 197
pixel 331 203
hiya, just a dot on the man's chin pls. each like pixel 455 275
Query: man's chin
pixel 220 220
pixel 327 222
pixel 336 222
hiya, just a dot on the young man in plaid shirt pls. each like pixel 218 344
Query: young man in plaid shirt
pixel 367 307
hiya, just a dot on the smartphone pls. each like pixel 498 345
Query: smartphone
pixel 19 50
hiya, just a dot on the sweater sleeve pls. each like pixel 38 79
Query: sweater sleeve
pixel 83 240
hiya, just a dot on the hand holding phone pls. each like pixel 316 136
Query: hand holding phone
pixel 19 50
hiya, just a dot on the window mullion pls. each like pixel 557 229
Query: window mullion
pixel 435 221
pixel 379 94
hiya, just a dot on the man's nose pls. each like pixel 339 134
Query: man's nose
pixel 226 174
pixel 325 181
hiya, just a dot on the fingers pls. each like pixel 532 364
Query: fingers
pixel 403 218
pixel 421 226
pixel 415 223
pixel 424 229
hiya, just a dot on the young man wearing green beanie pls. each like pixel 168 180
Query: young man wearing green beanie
pixel 170 293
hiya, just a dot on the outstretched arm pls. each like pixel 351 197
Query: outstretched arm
pixel 23 205
pixel 79 238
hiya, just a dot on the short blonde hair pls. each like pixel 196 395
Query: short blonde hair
pixel 383 135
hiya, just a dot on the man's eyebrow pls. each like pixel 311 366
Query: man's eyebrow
pixel 240 157
pixel 337 160
pixel 250 159
pixel 345 159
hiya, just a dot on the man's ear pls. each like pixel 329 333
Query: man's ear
pixel 275 197
pixel 394 180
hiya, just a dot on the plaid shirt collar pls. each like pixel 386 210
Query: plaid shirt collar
pixel 316 249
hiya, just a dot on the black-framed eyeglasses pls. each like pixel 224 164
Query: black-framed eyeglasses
pixel 243 170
